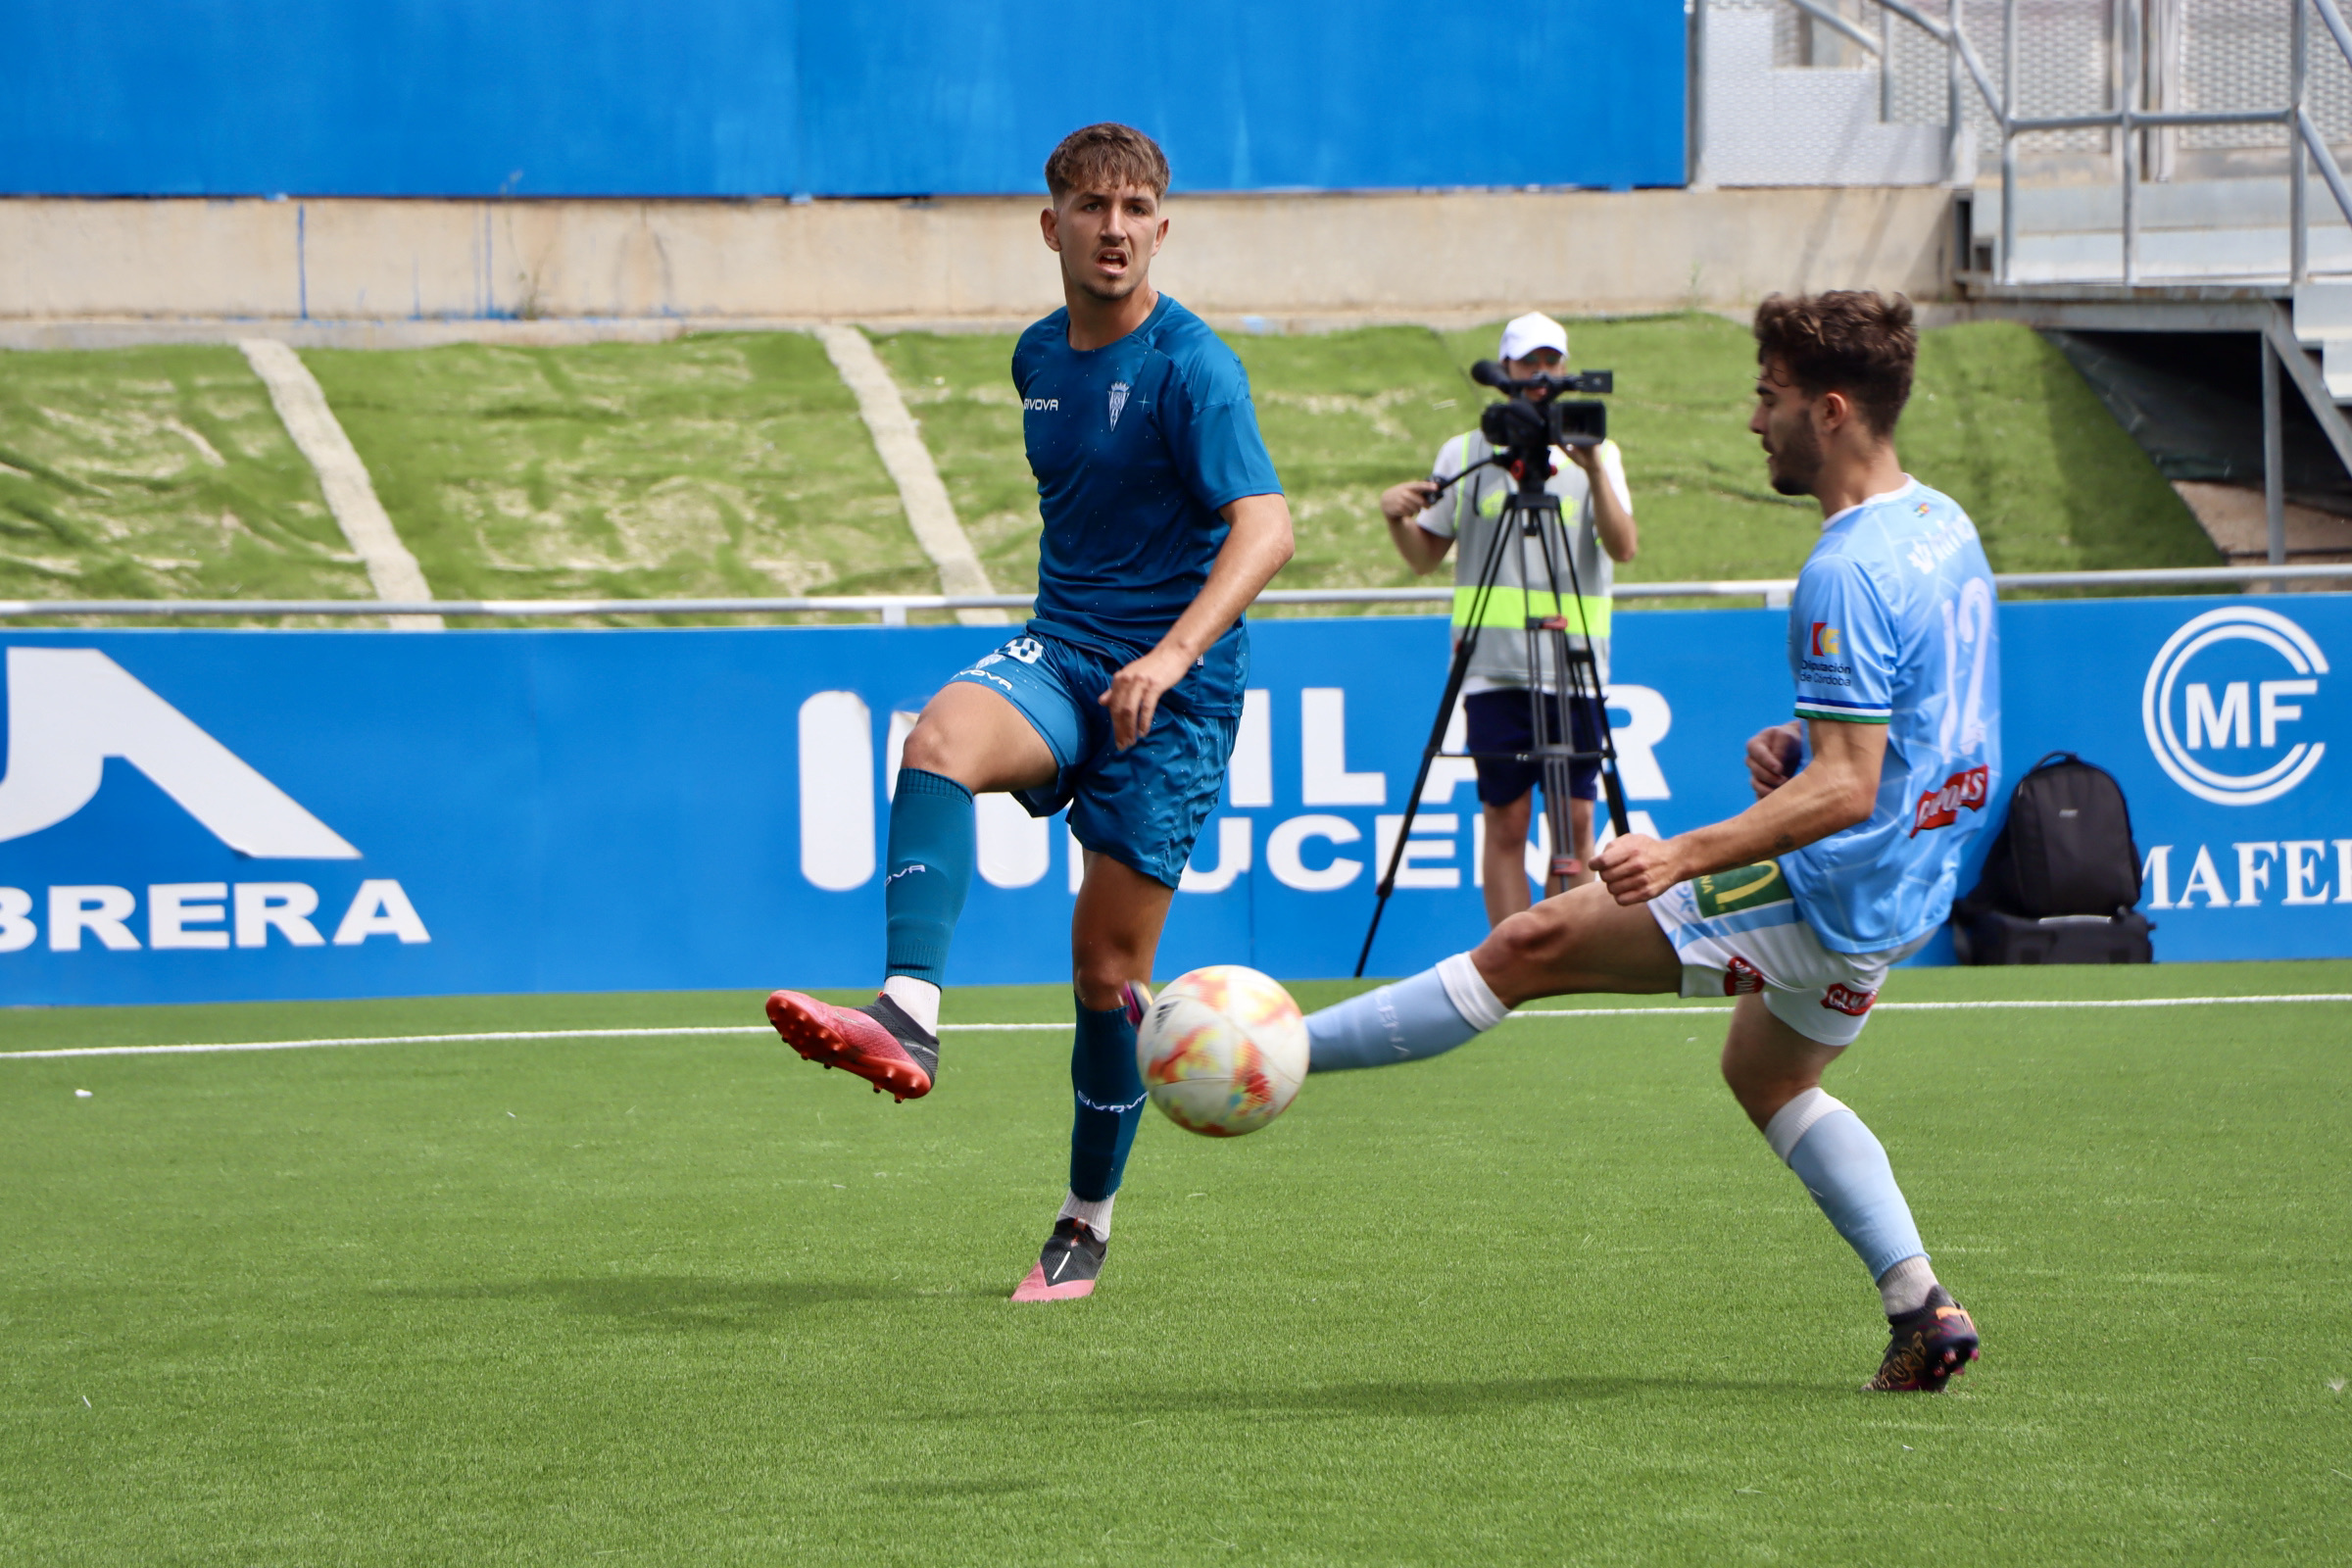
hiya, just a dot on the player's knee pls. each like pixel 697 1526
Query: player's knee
pixel 1522 950
pixel 1099 976
pixel 931 747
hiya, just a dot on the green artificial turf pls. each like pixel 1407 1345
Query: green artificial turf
pixel 1547 1299
pixel 725 465
pixel 158 473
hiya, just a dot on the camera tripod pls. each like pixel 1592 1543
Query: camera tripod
pixel 1566 666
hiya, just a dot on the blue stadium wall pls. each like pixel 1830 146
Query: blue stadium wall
pixel 735 98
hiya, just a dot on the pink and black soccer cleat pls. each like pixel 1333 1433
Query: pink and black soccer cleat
pixel 877 1042
pixel 1928 1348
pixel 1067 1268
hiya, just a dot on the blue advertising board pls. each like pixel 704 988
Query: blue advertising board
pixel 199 815
pixel 737 98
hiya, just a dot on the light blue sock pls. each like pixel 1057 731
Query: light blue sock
pixel 1845 1169
pixel 1426 1015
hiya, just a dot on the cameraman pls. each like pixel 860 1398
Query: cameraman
pixel 1495 694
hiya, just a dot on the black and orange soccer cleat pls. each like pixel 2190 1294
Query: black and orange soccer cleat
pixel 1928 1347
pixel 877 1042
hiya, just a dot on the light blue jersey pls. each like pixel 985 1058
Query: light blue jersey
pixel 1893 622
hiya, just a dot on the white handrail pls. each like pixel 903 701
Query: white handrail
pixel 896 606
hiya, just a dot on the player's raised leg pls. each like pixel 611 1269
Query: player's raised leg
pixel 1114 933
pixel 1580 941
pixel 969 740
pixel 1774 1073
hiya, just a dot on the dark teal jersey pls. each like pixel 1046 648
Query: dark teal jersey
pixel 1136 446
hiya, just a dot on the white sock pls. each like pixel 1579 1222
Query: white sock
pixel 917 998
pixel 1095 1216
pixel 1904 1287
pixel 1481 1008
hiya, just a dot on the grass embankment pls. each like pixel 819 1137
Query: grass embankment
pixel 1999 420
pixel 718 467
pixel 158 473
pixel 737 465
pixel 1547 1299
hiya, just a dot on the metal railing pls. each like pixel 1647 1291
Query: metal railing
pixel 893 609
pixel 2127 119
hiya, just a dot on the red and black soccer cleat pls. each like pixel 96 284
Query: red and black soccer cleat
pixel 1928 1347
pixel 877 1042
pixel 1069 1266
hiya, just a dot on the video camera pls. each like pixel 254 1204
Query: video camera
pixel 1535 417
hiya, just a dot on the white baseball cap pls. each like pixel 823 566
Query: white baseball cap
pixel 1532 332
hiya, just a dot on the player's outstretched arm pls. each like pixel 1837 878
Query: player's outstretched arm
pixel 1836 790
pixel 1255 549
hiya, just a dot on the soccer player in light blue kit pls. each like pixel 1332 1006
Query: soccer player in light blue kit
pixel 1845 863
pixel 1122 698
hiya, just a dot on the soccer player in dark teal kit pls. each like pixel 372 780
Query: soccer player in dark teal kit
pixel 1121 698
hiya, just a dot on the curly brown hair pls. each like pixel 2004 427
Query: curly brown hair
pixel 1852 341
pixel 1105 157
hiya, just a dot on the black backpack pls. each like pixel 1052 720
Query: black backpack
pixel 2062 878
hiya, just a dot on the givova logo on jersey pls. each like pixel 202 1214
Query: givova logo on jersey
pixel 2227 705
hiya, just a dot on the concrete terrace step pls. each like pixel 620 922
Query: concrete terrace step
pixel 2323 313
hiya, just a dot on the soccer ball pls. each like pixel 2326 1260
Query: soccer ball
pixel 1223 1050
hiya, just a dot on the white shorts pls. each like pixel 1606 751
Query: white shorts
pixel 1741 931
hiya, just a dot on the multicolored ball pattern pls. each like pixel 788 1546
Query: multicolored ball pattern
pixel 1223 1050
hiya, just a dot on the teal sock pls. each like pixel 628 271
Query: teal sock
pixel 1108 1088
pixel 933 844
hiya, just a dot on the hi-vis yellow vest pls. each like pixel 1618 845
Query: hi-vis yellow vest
pixel 1472 512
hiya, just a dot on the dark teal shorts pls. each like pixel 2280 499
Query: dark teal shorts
pixel 1142 806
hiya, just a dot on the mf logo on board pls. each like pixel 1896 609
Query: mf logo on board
pixel 2223 705
pixel 70 710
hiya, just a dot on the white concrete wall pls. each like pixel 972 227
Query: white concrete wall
pixel 1291 258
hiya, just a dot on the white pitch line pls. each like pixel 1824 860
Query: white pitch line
pixel 900 442
pixel 462 1039
pixel 349 495
pixel 1043 1028
pixel 1956 1006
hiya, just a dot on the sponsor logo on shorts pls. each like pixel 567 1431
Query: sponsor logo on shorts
pixel 1743 887
pixel 1827 644
pixel 1846 1000
pixel 1942 807
pixel 1028 650
pixel 1742 978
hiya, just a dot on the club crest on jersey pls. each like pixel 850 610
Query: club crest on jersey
pixel 1942 807
pixel 1118 400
